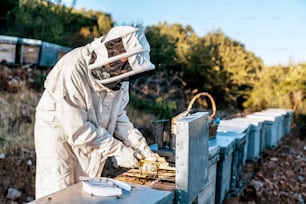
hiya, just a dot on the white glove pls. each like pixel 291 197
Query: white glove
pixel 125 157
pixel 139 144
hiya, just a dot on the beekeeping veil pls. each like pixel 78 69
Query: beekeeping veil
pixel 120 54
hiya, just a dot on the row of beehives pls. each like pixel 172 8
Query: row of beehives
pixel 17 50
pixel 237 141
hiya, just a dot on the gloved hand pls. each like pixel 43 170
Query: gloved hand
pixel 160 163
pixel 125 157
pixel 139 144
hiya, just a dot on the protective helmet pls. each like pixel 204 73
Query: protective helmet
pixel 122 53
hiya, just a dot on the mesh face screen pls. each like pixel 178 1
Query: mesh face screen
pixel 115 47
pixel 111 70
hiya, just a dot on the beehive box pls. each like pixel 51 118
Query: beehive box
pixel 260 125
pixel 273 123
pixel 30 51
pixel 8 48
pixel 191 156
pixel 208 194
pixel 255 137
pixel 224 164
pixel 287 118
pixel 49 52
pixel 62 51
pixel 237 163
pixel 271 130
pixel 280 122
pixel 256 140
pixel 240 127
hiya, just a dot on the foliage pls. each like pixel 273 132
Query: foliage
pixel 223 67
pixel 6 5
pixel 214 63
pixel 44 20
pixel 282 87
pixel 163 39
pixel 158 107
pixel 168 43
pixel 17 119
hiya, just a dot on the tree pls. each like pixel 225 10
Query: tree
pixel 222 66
pixel 47 21
pixel 165 82
pixel 6 7
pixel 281 87
pixel 163 42
pixel 215 63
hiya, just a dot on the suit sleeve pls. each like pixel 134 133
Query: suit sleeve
pixel 72 114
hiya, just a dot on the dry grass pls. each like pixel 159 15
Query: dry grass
pixel 17 119
pixel 140 118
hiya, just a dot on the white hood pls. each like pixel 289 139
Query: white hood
pixel 133 46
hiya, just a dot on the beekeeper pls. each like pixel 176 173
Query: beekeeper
pixel 81 118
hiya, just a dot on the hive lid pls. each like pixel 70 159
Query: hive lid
pixel 279 110
pixel 228 125
pixel 263 117
pixel 230 133
pixel 253 122
pixel 226 144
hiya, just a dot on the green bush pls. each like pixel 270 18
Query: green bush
pixel 159 107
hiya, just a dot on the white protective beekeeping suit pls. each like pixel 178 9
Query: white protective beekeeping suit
pixel 81 118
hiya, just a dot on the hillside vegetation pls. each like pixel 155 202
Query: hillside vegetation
pixel 186 64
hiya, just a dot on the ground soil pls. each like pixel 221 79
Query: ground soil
pixel 278 177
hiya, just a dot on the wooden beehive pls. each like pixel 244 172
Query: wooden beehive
pixel 8 48
pixel 163 180
pixel 30 51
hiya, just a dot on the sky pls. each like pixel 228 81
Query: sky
pixel 275 30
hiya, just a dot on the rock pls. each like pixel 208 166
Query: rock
pixel 19 162
pixel 29 162
pixel 274 159
pixel 281 175
pixel 29 199
pixel 301 179
pixel 13 193
pixel 290 173
pixel 2 156
pixel 299 198
pixel 257 184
